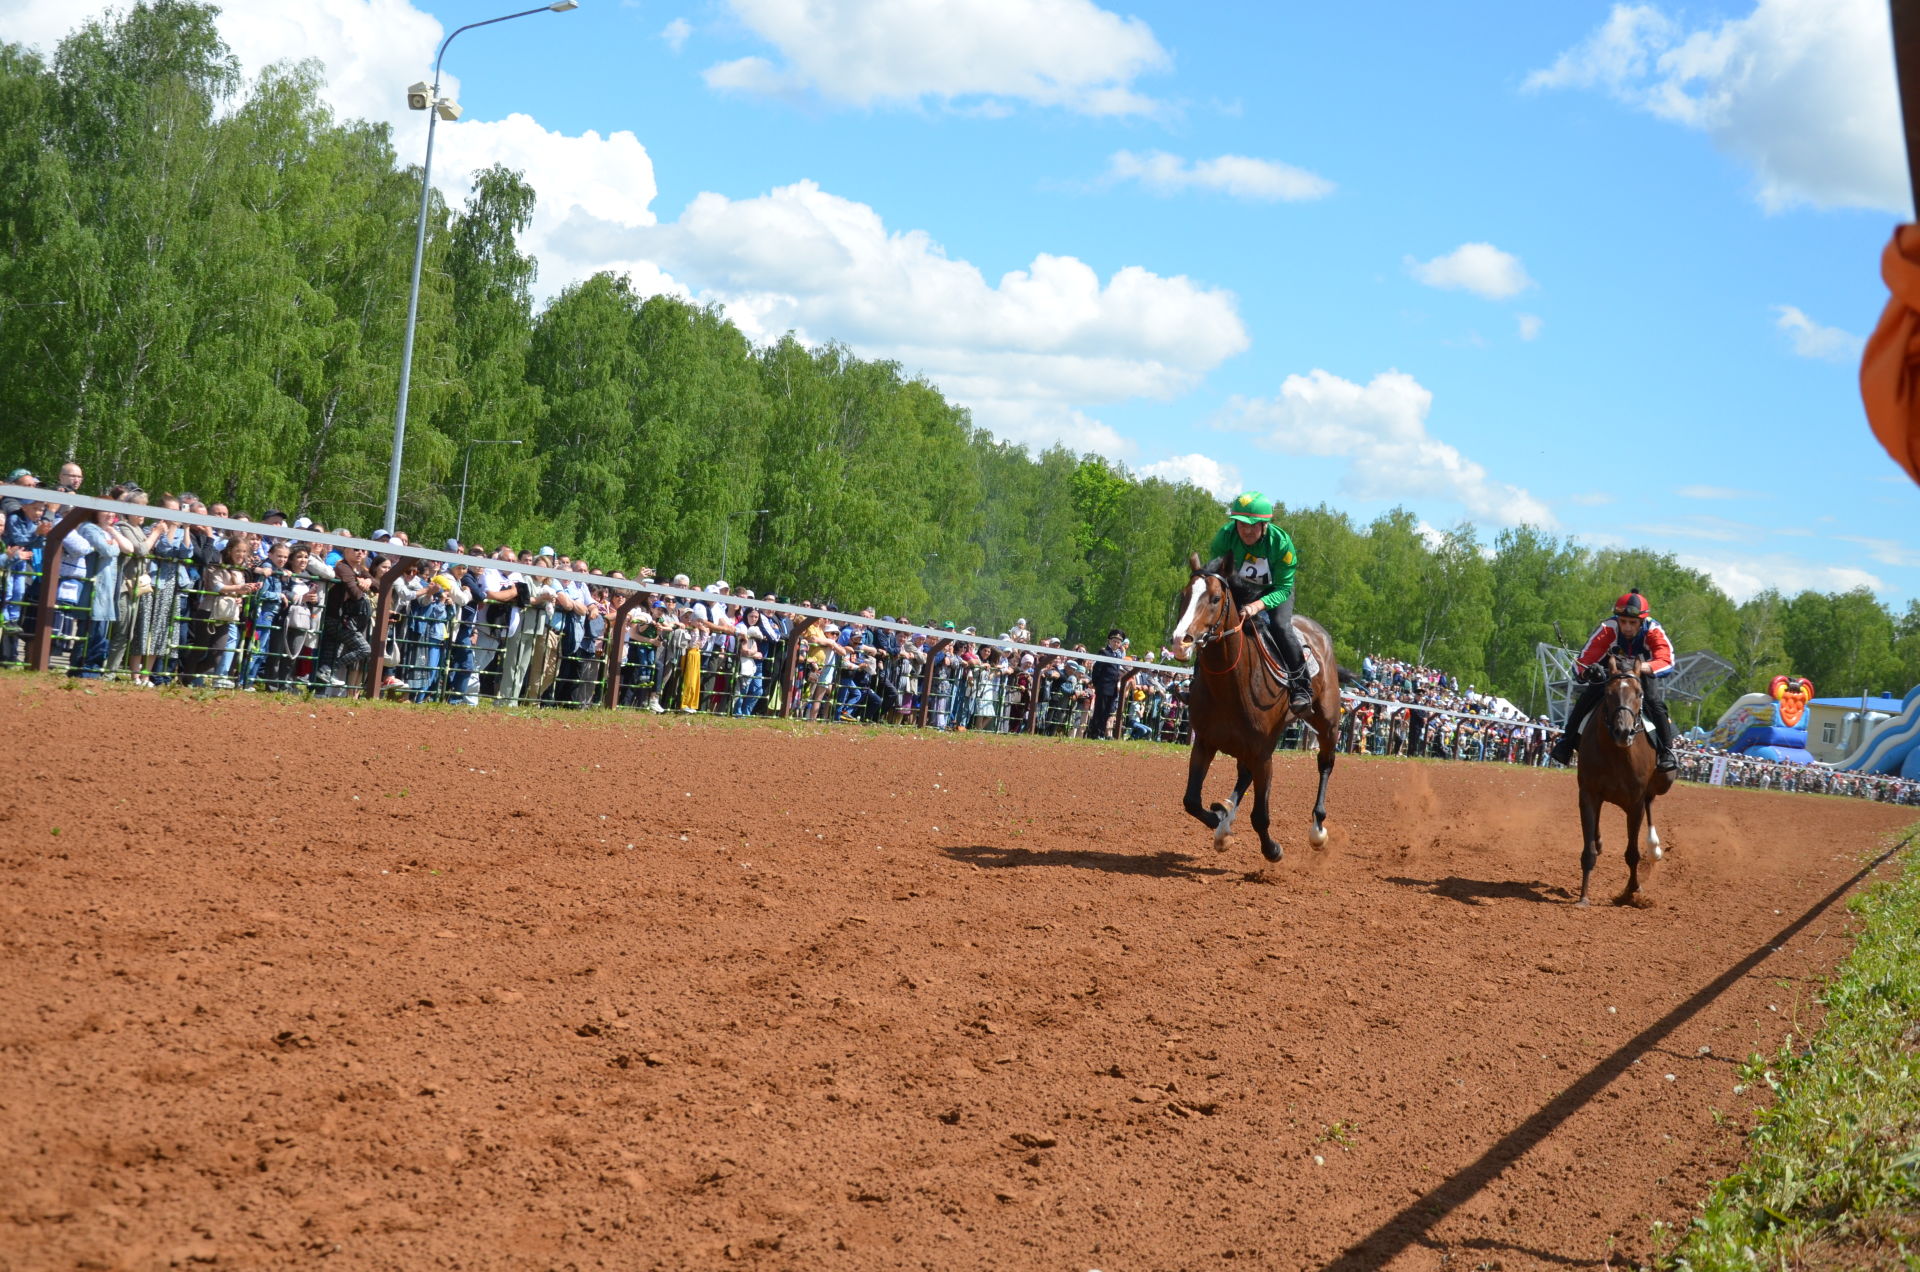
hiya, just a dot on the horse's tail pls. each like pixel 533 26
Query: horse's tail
pixel 1347 678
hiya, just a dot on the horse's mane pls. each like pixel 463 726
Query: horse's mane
pixel 1240 589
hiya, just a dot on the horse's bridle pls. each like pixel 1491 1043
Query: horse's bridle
pixel 1219 629
pixel 1626 671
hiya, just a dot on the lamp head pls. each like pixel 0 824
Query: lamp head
pixel 562 6
pixel 419 96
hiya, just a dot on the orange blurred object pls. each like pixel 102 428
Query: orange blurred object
pixel 1890 368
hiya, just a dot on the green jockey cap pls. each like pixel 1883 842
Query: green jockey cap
pixel 1252 508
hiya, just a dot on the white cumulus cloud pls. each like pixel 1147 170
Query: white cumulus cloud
pixel 1266 180
pixel 1380 429
pixel 1031 354
pixel 675 33
pixel 1741 576
pixel 1222 481
pixel 1071 54
pixel 370 50
pixel 1811 340
pixel 1530 325
pixel 1480 268
pixel 1802 91
pixel 1026 353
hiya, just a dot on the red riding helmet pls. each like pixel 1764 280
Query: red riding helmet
pixel 1632 605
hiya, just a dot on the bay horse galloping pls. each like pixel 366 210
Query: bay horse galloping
pixel 1617 766
pixel 1238 704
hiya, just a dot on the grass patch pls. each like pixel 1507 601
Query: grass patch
pixel 1833 1176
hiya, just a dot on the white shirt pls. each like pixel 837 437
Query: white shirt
pixel 493 580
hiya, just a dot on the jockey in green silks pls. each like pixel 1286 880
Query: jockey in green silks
pixel 1261 555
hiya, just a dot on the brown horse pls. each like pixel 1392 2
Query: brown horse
pixel 1238 704
pixel 1617 767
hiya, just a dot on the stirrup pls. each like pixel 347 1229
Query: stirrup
pixel 1665 761
pixel 1300 690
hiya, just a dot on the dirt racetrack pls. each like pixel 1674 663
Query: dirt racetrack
pixel 412 988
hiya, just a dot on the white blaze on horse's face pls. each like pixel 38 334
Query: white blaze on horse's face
pixel 1184 631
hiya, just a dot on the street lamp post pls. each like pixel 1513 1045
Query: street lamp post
pixel 427 97
pixel 461 518
pixel 726 526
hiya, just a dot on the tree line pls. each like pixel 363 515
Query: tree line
pixel 203 285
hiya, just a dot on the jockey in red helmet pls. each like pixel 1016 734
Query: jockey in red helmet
pixel 1251 548
pixel 1633 634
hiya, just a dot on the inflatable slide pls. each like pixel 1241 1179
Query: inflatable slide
pixel 1768 726
pixel 1894 745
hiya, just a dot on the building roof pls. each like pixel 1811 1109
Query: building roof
pixel 1888 705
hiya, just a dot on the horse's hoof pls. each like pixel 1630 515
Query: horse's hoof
pixel 1271 852
pixel 1222 825
pixel 1317 836
pixel 1583 903
pixel 1638 900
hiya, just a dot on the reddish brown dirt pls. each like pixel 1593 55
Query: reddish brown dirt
pixel 428 988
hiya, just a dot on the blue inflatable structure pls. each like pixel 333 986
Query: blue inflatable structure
pixel 1893 746
pixel 1769 726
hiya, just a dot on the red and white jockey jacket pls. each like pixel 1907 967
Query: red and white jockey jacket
pixel 1651 644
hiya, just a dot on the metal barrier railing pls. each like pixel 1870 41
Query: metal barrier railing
pixel 180 616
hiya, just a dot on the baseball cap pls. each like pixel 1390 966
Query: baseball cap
pixel 381 534
pixel 304 523
pixel 548 552
pixel 453 545
pixel 17 474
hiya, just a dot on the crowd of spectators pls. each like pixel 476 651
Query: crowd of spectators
pixel 1402 708
pixel 1698 762
pixel 153 600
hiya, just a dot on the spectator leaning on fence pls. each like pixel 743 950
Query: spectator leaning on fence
pixel 99 593
pixel 216 605
pixel 345 623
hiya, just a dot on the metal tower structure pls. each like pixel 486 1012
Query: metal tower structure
pixel 1695 675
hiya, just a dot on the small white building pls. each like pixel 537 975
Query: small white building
pixel 1837 726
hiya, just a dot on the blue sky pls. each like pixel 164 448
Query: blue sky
pixel 1600 267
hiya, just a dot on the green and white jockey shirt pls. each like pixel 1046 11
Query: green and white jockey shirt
pixel 1268 565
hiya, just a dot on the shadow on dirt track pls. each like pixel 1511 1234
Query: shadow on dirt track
pixel 1481 891
pixel 1159 865
pixel 1411 1225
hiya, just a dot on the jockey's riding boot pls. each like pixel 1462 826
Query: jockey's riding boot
pixel 1300 689
pixel 1562 750
pixel 1665 761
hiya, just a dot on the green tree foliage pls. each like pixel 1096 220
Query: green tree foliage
pixel 203 284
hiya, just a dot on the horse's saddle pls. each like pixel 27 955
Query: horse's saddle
pixel 1271 657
